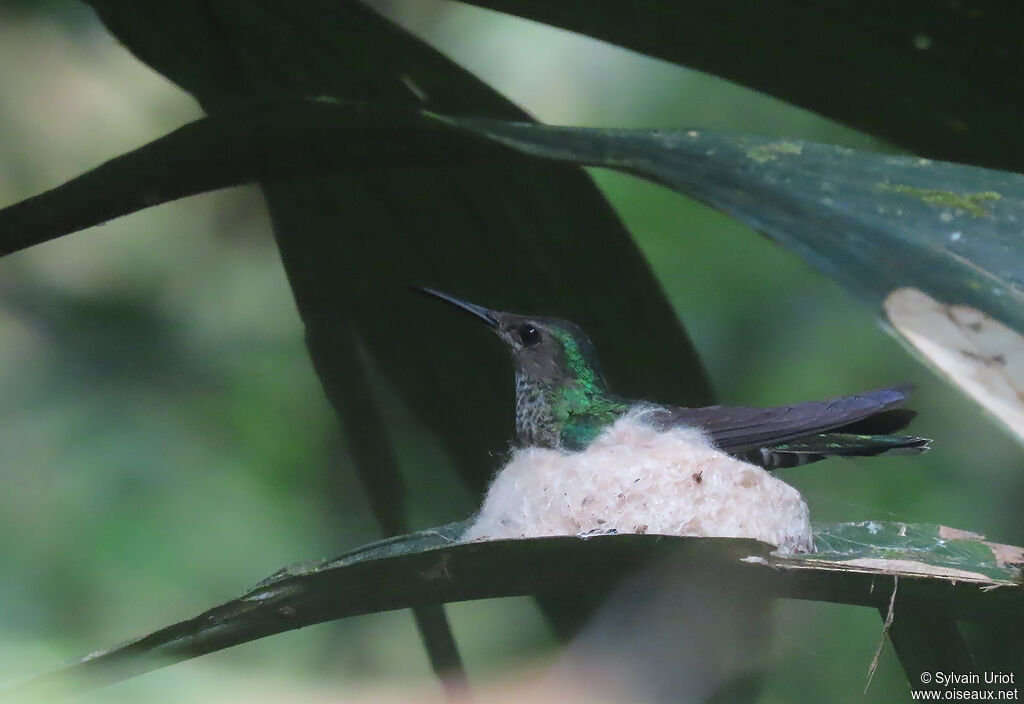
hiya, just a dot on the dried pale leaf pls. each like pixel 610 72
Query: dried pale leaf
pixel 976 352
pixel 911 567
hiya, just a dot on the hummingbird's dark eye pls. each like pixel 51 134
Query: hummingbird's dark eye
pixel 529 335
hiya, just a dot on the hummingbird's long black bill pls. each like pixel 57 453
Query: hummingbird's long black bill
pixel 473 309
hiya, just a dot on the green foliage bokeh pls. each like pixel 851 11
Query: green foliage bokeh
pixel 166 443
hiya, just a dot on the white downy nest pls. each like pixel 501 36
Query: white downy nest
pixel 636 479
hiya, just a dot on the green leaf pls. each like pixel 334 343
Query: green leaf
pixel 917 548
pixel 882 226
pixel 927 76
pixel 433 567
pixel 874 223
pixel 924 243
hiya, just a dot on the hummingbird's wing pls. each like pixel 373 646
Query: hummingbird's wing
pixel 736 429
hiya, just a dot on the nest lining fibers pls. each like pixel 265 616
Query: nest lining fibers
pixel 636 479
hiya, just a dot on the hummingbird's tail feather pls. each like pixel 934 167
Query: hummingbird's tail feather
pixel 824 445
pixel 860 425
pixel 741 429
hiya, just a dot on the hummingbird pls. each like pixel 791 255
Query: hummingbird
pixel 563 403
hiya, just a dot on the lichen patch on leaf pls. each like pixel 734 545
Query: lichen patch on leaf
pixel 766 152
pixel 971 202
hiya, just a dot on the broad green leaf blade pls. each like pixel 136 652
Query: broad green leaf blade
pixel 927 76
pixel 877 224
pixel 880 225
pixel 874 223
pixel 433 567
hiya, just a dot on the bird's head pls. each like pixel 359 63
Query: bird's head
pixel 549 351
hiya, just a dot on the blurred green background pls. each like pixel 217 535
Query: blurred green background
pixel 165 443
